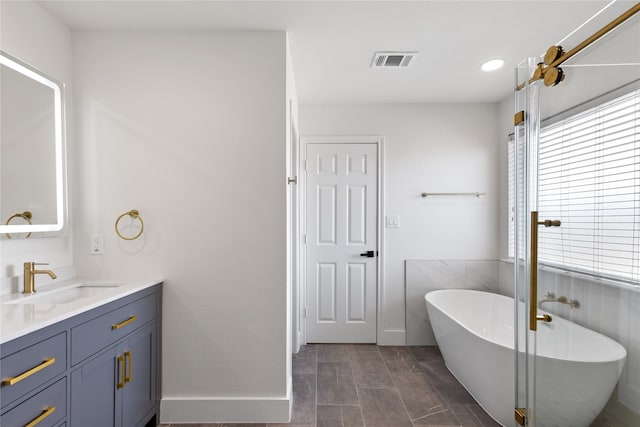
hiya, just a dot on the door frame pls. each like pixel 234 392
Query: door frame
pixel 302 201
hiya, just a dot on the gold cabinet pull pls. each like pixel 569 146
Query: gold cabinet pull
pixel 25 375
pixel 121 371
pixel 533 285
pixel 128 363
pixel 125 323
pixel 45 413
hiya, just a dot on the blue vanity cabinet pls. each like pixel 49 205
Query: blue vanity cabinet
pixel 33 385
pixel 98 368
pixel 139 393
pixel 117 388
pixel 114 362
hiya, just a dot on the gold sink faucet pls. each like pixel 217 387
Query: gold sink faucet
pixel 29 276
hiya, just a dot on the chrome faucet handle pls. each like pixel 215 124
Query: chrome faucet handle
pixel 550 295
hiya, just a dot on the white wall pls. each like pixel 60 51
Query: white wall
pixel 30 34
pixel 191 130
pixel 432 148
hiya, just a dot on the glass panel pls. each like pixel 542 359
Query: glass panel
pixel 576 159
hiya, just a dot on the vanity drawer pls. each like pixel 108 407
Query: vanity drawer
pixel 50 405
pixel 32 366
pixel 96 334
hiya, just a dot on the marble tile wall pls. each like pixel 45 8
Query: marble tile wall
pixel 422 276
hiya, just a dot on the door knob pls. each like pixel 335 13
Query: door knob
pixel 368 254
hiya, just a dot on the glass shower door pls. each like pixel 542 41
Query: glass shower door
pixel 575 162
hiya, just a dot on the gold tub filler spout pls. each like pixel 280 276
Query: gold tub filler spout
pixel 551 297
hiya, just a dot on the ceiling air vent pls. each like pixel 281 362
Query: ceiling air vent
pixel 392 59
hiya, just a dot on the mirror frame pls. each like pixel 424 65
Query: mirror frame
pixel 59 140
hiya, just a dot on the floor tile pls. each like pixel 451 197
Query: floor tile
pixel 465 416
pixel 399 360
pixel 358 385
pixel 369 370
pixel 304 389
pixel 382 407
pixel 438 374
pixel 426 353
pixel 419 397
pixel 336 384
pixel 352 416
pixel 304 364
pixel 442 417
pixel 455 395
pixel 329 416
pixel 303 414
pixel 484 418
pixel 339 416
pixel 208 425
pixel 333 352
pixel 288 425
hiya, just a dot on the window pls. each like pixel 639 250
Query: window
pixel 589 178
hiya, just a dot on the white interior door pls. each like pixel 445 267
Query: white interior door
pixel 341 226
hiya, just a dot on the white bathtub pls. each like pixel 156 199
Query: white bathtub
pixel 577 368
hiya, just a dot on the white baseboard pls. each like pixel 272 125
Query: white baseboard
pixel 191 410
pixel 392 337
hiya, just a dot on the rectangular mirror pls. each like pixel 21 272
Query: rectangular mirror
pixel 31 150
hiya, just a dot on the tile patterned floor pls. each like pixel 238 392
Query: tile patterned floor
pixel 351 385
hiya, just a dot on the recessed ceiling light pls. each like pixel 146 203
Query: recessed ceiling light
pixel 492 65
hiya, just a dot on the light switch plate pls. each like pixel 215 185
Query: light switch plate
pixel 393 221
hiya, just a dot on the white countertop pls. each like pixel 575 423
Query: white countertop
pixel 17 320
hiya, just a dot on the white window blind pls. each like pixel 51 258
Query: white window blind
pixel 516 167
pixel 589 178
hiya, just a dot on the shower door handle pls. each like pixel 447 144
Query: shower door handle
pixel 533 285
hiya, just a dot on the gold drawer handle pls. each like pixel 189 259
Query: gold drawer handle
pixel 125 323
pixel 45 413
pixel 25 375
pixel 121 365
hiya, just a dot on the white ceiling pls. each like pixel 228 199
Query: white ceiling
pixel 333 42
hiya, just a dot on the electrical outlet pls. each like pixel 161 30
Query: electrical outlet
pixel 97 244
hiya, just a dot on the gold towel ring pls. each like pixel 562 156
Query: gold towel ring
pixel 135 215
pixel 26 215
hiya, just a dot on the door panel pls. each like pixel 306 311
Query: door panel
pixel 356 292
pixel 356 226
pixel 326 292
pixel 341 190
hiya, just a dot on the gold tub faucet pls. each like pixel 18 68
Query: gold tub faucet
pixel 29 276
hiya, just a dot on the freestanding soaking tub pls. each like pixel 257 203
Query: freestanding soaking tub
pixel 577 368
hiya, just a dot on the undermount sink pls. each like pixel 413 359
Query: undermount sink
pixel 67 294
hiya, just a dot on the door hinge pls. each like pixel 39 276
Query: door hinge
pixel 304 312
pixel 306 165
pixel 304 239
pixel 292 180
pixel 521 416
pixel 518 118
